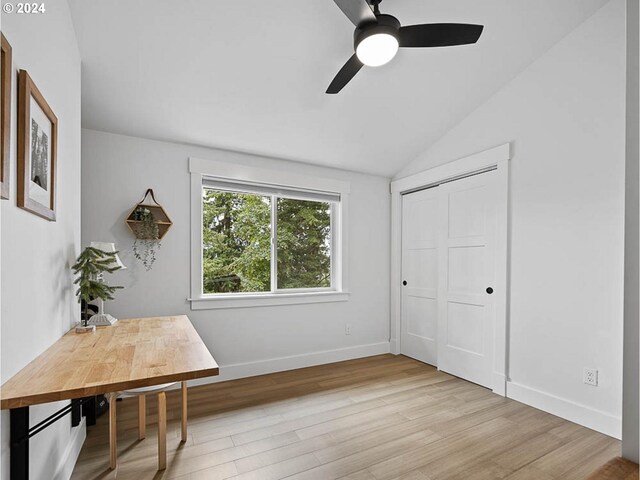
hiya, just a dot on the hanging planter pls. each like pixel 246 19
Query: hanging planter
pixel 149 223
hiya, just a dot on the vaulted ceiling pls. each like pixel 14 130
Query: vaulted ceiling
pixel 251 75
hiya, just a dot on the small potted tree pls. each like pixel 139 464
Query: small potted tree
pixel 90 268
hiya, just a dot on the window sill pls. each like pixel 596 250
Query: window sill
pixel 265 300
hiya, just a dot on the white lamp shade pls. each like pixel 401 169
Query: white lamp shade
pixel 110 247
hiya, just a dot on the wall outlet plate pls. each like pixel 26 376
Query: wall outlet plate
pixel 591 376
pixel 347 329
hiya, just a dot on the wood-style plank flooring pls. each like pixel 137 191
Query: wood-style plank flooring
pixel 380 418
pixel 617 469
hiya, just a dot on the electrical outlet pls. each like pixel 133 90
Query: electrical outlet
pixel 347 329
pixel 591 376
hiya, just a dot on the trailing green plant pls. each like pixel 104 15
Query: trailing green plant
pixel 147 235
pixel 90 265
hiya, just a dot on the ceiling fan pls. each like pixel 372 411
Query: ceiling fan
pixel 378 36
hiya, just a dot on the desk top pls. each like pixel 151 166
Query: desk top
pixel 132 353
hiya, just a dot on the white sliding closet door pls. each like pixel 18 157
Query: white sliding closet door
pixel 448 264
pixel 420 275
pixel 466 310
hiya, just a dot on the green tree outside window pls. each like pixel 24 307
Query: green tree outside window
pixel 236 246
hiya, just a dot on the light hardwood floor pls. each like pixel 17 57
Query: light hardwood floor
pixel 380 418
pixel 617 469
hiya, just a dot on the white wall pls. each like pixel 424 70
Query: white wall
pixel 565 117
pixel 631 423
pixel 38 302
pixel 117 170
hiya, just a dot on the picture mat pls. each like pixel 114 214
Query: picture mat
pixel 40 194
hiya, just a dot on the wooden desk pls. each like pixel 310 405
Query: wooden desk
pixel 132 353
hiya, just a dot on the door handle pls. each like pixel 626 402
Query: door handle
pixel 489 290
pixel 404 283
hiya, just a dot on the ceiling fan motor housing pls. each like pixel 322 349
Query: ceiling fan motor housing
pixel 385 24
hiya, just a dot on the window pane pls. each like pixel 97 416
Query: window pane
pixel 236 242
pixel 304 244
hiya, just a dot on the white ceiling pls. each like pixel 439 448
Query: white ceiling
pixel 250 75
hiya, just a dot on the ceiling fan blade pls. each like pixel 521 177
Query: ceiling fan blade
pixel 346 73
pixel 439 34
pixel 358 11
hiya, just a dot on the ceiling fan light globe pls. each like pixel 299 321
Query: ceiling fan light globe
pixel 377 49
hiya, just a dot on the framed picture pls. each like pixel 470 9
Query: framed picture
pixel 5 116
pixel 37 145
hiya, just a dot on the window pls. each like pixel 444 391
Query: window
pixel 303 240
pixel 255 243
pixel 262 242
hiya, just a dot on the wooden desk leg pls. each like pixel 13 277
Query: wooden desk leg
pixel 142 416
pixel 162 431
pixel 184 412
pixel 113 446
pixel 19 441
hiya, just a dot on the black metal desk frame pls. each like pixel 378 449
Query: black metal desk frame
pixel 20 432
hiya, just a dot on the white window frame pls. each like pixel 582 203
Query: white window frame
pixel 211 170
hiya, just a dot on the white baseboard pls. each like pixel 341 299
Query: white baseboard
pixel 581 414
pixel 293 362
pixel 499 384
pixel 70 456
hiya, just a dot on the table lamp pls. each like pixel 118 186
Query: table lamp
pixel 102 318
